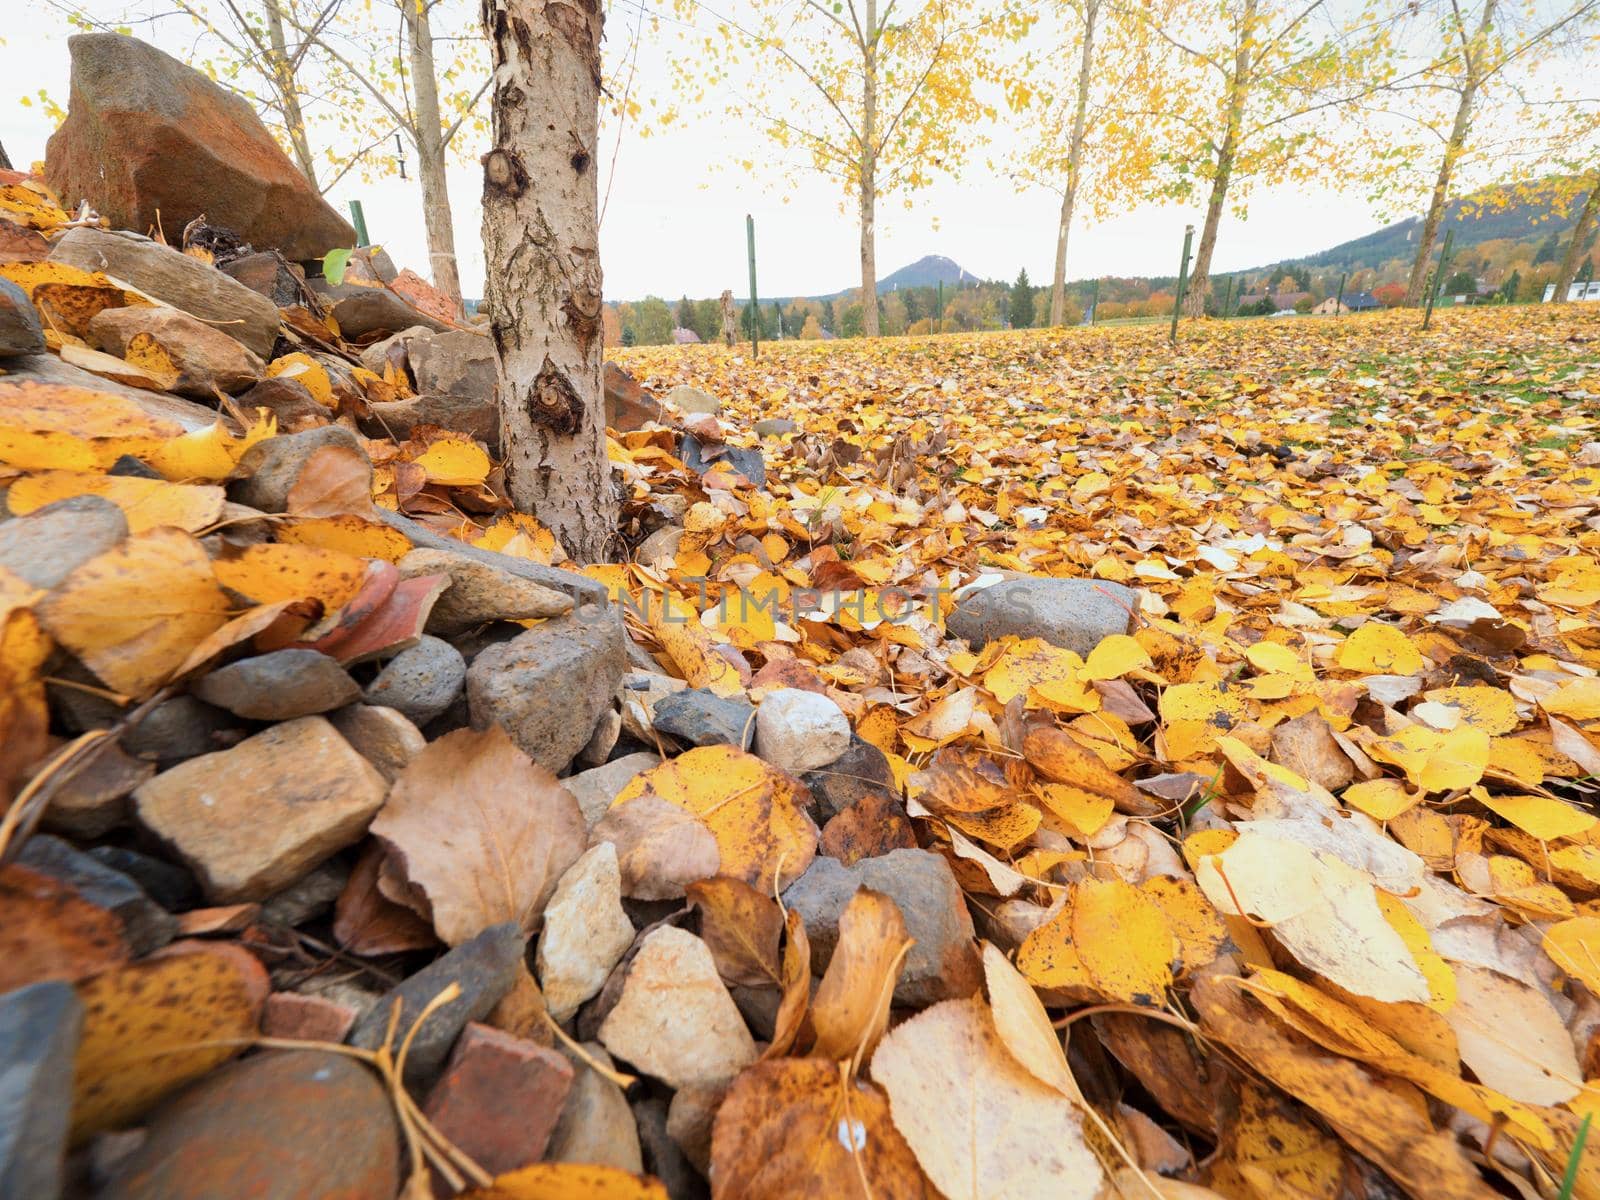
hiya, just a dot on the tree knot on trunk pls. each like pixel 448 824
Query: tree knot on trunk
pixel 553 402
pixel 503 174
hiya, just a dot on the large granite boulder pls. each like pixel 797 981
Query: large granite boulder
pixel 144 133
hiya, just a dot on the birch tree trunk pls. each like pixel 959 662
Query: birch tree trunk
pixel 294 120
pixel 1058 283
pixel 431 152
pixel 1194 300
pixel 541 251
pixel 1452 152
pixel 869 173
pixel 1580 234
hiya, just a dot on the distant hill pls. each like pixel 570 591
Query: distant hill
pixel 1473 220
pixel 928 271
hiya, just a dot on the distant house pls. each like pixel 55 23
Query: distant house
pixel 1280 301
pixel 685 337
pixel 1580 290
pixel 1349 302
pixel 1285 301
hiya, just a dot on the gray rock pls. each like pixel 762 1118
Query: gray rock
pixel 20 331
pixel 746 461
pixel 775 427
pixel 485 967
pixel 589 594
pixel 169 886
pixel 382 736
pixel 549 686
pixel 799 731
pixel 480 593
pixel 146 926
pixel 693 400
pixel 308 897
pixel 39 1027
pixel 179 279
pixel 50 543
pixel 597 787
pixel 459 363
pixel 269 273
pixel 207 359
pixel 596 1125
pixel 421 682
pixel 663 1158
pixel 288 400
pixel 48 368
pixel 180 728
pixel 94 801
pixel 860 771
pixel 269 469
pixel 943 964
pixel 1075 614
pixel 394 348
pixel 279 686
pixel 476 418
pixel 364 311
pixel 702 718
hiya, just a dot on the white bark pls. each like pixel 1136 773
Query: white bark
pixel 541 250
pixel 869 173
pixel 1058 283
pixel 1580 235
pixel 431 153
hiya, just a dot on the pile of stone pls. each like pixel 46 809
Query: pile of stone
pixel 196 865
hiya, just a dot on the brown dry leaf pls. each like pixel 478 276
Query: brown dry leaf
pixel 49 931
pixel 481 830
pixel 661 847
pixel 851 1007
pixel 333 482
pixel 797 1128
pixel 796 1000
pixel 742 929
pixel 134 613
pixel 1378 1122
pixel 1061 758
pixel 268 623
pixel 982 1127
pixel 567 1181
pixel 152 1026
pixel 756 812
pixel 1272 1150
pixel 367 922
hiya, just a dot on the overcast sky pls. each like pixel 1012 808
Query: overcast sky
pixel 674 222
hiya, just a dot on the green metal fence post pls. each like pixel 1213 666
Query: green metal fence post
pixel 1094 304
pixel 939 310
pixel 1338 297
pixel 1438 278
pixel 359 220
pixel 755 308
pixel 1183 280
pixel 1227 299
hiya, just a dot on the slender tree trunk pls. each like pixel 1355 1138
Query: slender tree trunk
pixel 869 174
pixel 1440 198
pixel 541 250
pixel 1194 300
pixel 294 121
pixel 1580 234
pixel 1058 283
pixel 431 153
pixel 1452 152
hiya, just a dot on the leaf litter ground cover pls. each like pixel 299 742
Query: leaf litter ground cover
pixel 1263 863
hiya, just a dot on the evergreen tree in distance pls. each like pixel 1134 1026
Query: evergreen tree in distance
pixel 1021 306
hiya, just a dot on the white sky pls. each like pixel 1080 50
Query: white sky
pixel 675 221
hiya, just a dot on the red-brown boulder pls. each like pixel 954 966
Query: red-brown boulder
pixel 144 133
